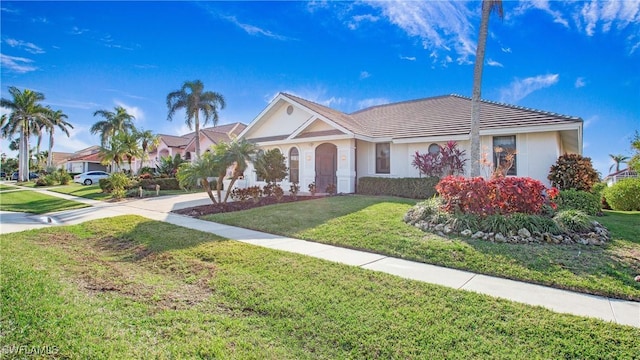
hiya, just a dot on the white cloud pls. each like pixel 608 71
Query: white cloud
pixel 442 26
pixel 506 50
pixel 364 75
pixel 78 31
pixel 358 19
pixel 367 103
pixel 26 46
pixel 17 64
pixel 580 82
pixel 409 58
pixel 254 30
pixel 132 110
pixel 79 138
pixel 590 121
pixel 492 62
pixel 521 88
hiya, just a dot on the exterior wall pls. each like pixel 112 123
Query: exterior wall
pixel 286 124
pixel 344 170
pixel 536 153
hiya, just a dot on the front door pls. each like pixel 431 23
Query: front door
pixel 326 163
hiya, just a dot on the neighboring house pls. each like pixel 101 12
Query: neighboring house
pixel 59 159
pixel 184 145
pixel 88 159
pixel 619 175
pixel 325 146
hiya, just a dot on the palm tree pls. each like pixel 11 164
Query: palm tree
pixel 112 154
pixel 56 119
pixel 25 112
pixel 193 100
pixel 237 154
pixel 617 159
pixel 148 140
pixel 192 174
pixel 113 123
pixel 128 144
pixel 487 7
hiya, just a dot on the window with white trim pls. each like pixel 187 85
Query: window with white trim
pixel 294 165
pixel 504 153
pixel 383 158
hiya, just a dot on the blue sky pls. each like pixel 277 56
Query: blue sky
pixel 579 58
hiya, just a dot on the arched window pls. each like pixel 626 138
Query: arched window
pixel 434 149
pixel 294 165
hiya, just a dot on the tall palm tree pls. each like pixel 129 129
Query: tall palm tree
pixel 26 110
pixel 193 99
pixel 487 7
pixel 618 159
pixel 56 119
pixel 148 140
pixel 113 122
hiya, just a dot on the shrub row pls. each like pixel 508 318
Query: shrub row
pixel 413 188
pixel 503 195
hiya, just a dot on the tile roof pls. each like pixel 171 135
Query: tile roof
pixel 435 116
pixel 215 133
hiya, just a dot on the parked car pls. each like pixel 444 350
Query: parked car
pixel 15 176
pixel 90 177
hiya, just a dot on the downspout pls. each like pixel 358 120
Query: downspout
pixel 355 157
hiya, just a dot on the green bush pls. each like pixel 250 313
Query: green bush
pixel 497 224
pixel 413 188
pixel 624 195
pixel 105 185
pixel 586 202
pixel 165 183
pixel 571 221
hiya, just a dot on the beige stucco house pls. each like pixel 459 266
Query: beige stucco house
pixel 325 146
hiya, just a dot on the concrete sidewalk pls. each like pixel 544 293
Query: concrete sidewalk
pixel 618 311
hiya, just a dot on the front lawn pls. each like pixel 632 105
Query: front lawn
pixel 129 287
pixel 34 202
pixel 375 224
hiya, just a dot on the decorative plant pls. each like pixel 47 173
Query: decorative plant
pixel 312 188
pixel 278 192
pixel 255 193
pixel 573 171
pixel 294 189
pixel 331 189
pixel 449 160
pixel 504 195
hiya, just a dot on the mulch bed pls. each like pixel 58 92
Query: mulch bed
pixel 202 210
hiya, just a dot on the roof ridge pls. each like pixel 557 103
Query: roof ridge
pixel 518 107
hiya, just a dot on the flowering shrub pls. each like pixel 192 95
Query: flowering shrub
pixel 573 171
pixel 502 195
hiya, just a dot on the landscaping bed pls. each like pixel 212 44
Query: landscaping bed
pixel 219 208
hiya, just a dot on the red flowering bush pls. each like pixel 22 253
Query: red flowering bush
pixel 503 195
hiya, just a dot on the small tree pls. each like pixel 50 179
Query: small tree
pixel 198 172
pixel 573 171
pixel 634 163
pixel 271 166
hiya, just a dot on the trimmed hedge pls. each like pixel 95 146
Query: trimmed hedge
pixel 579 200
pixel 413 188
pixel 165 183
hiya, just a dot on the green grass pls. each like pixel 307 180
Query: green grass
pixel 5 187
pixel 34 202
pixel 86 191
pixel 375 224
pixel 129 287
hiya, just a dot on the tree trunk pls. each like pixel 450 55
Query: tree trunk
pixel 207 188
pixel 197 121
pixel 477 84
pixel 23 167
pixel 50 155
